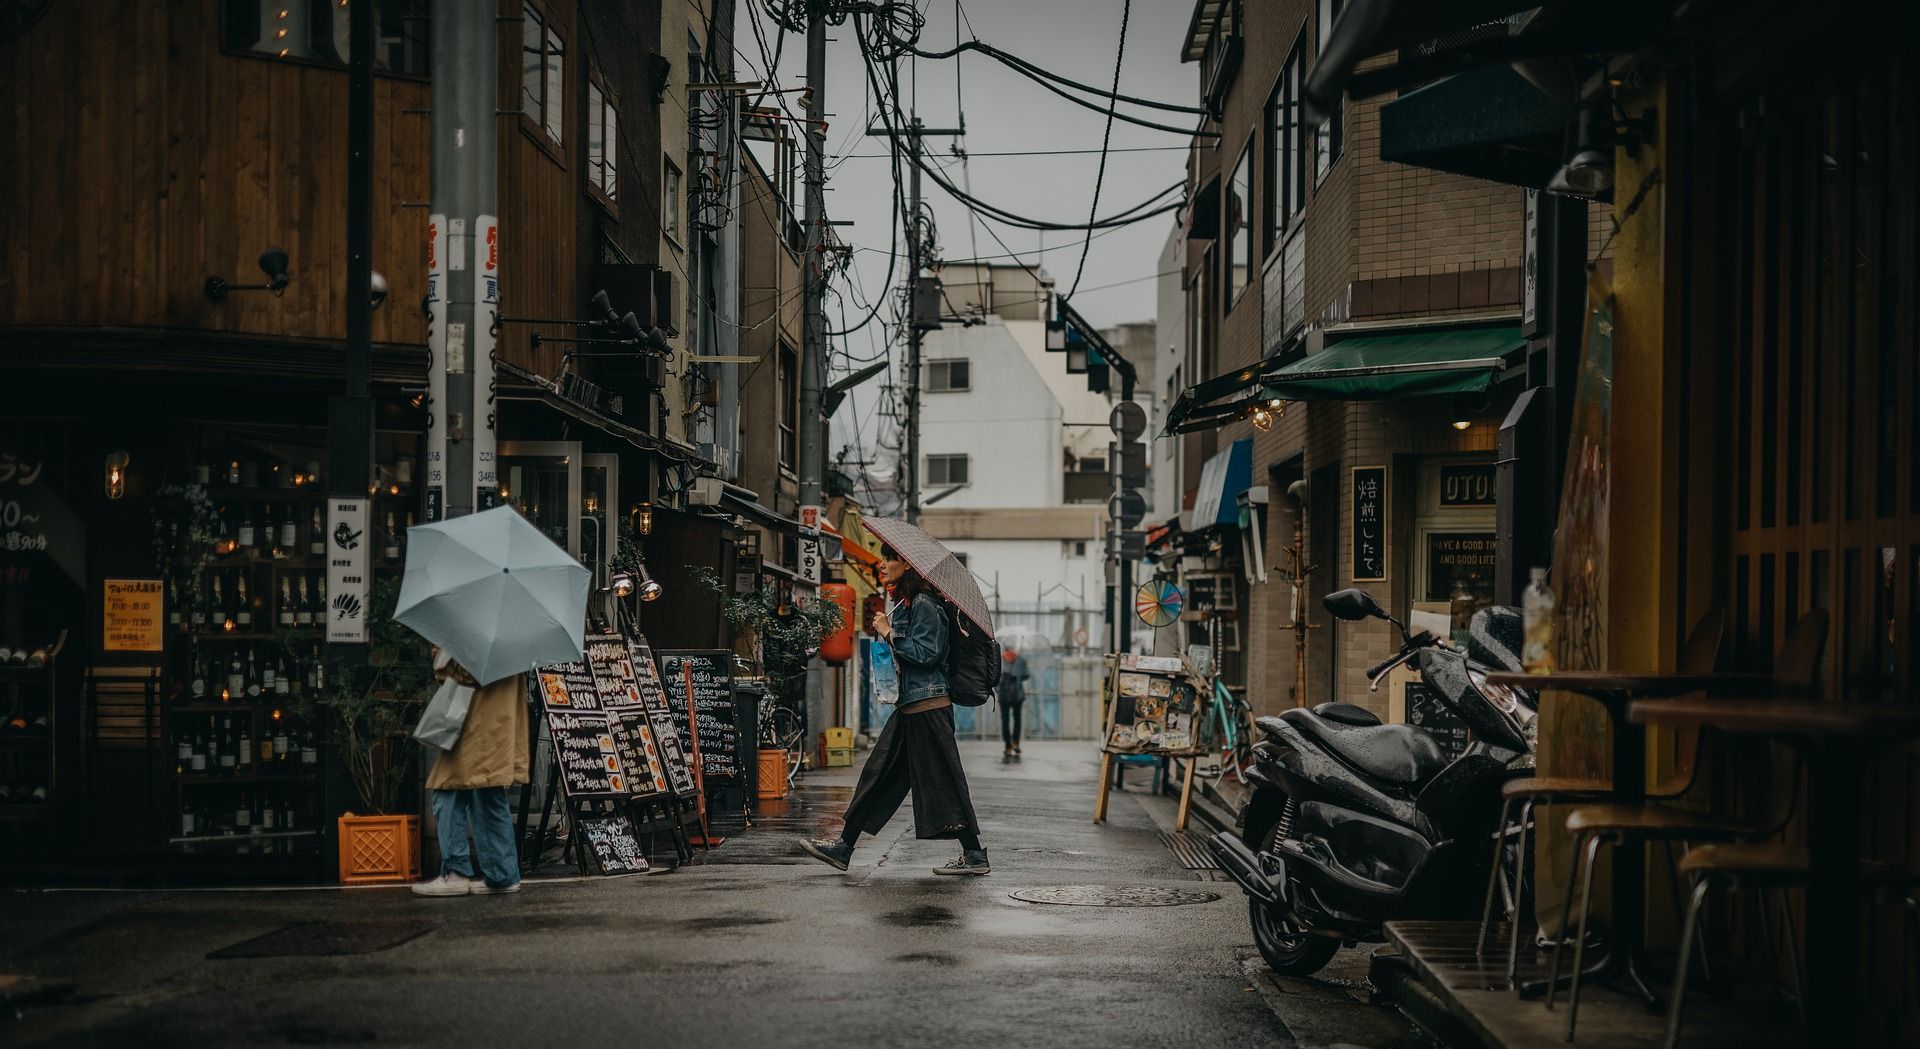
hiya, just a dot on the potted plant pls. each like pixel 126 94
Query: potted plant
pixel 372 710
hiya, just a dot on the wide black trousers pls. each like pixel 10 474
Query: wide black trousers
pixel 917 753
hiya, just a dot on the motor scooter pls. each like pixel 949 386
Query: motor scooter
pixel 1354 823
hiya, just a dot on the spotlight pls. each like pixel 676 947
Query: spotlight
pixel 1262 419
pixel 621 583
pixel 273 263
pixel 650 589
pixel 1463 424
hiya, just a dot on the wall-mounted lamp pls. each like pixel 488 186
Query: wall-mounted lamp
pixel 1262 419
pixel 1588 173
pixel 116 474
pixel 273 263
pixel 1463 424
pixel 643 518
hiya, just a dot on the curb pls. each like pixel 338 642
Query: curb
pixel 1400 984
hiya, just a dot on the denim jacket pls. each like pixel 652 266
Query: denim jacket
pixel 920 647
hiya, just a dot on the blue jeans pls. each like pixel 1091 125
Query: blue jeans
pixel 484 813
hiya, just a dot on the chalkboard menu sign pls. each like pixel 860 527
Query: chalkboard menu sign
pixel 584 744
pixel 702 681
pixel 1425 709
pixel 1369 524
pixel 612 843
pixel 610 662
pixel 653 698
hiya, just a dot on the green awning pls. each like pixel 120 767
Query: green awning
pixel 1381 367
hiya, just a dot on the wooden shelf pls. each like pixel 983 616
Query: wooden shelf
pixel 241 839
pixel 204 779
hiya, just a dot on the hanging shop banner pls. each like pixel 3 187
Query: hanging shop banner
pixel 584 748
pixel 700 690
pixel 132 615
pixel 435 305
pixel 486 321
pixel 1159 707
pixel 1369 524
pixel 347 568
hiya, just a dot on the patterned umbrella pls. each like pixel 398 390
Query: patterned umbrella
pixel 936 564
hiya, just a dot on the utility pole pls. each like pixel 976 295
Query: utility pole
pixel 463 297
pixel 813 358
pixel 917 323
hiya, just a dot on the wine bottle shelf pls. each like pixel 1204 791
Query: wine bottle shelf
pixel 208 779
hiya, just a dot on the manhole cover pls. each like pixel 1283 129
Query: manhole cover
pixel 1114 896
pixel 316 939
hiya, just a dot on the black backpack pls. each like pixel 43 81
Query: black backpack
pixel 973 663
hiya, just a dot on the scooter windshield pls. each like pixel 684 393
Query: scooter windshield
pixel 1494 638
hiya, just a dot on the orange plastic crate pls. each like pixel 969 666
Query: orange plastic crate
pixel 379 849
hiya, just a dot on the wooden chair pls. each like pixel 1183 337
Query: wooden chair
pixel 1699 655
pixel 1594 825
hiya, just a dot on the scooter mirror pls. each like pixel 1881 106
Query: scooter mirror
pixel 1352 605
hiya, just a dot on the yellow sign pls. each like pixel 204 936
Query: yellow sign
pixel 134 610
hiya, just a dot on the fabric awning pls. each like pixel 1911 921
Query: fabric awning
pixel 1362 368
pixel 1382 367
pixel 1486 123
pixel 1222 479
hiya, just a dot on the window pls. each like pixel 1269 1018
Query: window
pixel 1286 166
pixel 542 74
pixel 947 469
pixel 950 376
pixel 670 206
pixel 789 395
pixel 1092 465
pixel 603 142
pixel 1326 139
pixel 1237 221
pixel 316 31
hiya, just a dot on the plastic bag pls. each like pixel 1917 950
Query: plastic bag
pixel 445 716
pixel 886 674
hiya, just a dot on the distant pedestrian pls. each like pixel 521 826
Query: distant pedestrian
pixel 469 786
pixel 1013 696
pixel 916 752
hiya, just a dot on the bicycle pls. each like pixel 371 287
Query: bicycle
pixel 1230 721
pixel 781 729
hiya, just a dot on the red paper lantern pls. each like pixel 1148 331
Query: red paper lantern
pixel 838 646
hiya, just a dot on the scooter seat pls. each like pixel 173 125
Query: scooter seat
pixel 1392 753
pixel 1347 713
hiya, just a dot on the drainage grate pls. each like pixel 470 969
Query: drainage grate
pixel 1114 896
pixel 318 939
pixel 1190 851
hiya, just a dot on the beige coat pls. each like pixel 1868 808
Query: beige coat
pixel 492 751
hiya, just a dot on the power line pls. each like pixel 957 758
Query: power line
pixel 1106 139
pixel 1034 152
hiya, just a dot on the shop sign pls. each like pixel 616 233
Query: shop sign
pixel 1467 484
pixel 347 571
pixel 132 614
pixel 1369 524
pixel 811 562
pixel 810 518
pixel 34 520
pixel 1530 267
pixel 1452 557
pixel 486 320
pixel 435 306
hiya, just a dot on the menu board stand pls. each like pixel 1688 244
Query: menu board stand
pixel 702 681
pixel 1156 706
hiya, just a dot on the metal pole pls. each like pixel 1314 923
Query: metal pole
pixel 465 55
pixel 913 328
pixel 813 360
pixel 350 414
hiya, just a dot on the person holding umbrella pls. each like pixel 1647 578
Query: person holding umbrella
pixel 916 752
pixel 495 596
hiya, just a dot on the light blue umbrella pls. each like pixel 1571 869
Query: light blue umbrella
pixel 494 592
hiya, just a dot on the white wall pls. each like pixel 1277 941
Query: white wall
pixel 1008 423
pixel 1172 317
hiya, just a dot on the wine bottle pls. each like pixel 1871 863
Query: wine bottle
pixel 289 535
pixel 242 603
pixel 242 814
pixel 243 751
pixel 199 686
pixel 303 608
pixel 227 757
pixel 317 535
pixel 186 823
pixel 253 677
pixel 320 610
pixel 173 603
pixel 246 537
pixel 266 819
pixel 233 472
pixel 236 677
pixel 391 549
pixel 309 750
pixel 283 683
pixel 280 747
pixel 269 679
pixel 182 750
pixel 199 761
pixel 217 604
pixel 285 608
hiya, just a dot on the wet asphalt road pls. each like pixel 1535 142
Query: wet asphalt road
pixel 760 948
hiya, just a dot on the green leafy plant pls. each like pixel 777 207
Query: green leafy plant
pixel 373 708
pixel 787 632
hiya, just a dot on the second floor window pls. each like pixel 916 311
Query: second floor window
pixel 1238 224
pixel 670 201
pixel 789 394
pixel 1286 142
pixel 1326 140
pixel 543 57
pixel 603 143
pixel 946 469
pixel 950 376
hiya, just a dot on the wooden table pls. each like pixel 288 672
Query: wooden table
pixel 1838 740
pixel 1624 959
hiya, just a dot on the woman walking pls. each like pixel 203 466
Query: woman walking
pixel 916 751
pixel 1012 696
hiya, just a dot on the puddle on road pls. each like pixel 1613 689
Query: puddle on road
pixel 940 961
pixel 924 916
pixel 721 922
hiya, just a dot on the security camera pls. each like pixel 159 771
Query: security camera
pixel 273 263
pixel 377 288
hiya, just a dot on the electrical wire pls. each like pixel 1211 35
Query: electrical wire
pixel 1106 139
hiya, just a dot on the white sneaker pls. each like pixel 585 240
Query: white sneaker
pixel 448 884
pixel 481 888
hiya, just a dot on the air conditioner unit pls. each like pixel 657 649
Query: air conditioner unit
pixel 705 491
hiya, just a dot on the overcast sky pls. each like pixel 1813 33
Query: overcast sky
pixel 1006 113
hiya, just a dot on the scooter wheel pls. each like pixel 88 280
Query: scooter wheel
pixel 1286 950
